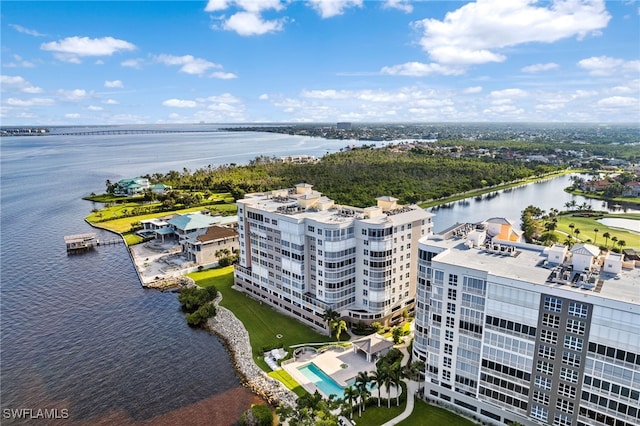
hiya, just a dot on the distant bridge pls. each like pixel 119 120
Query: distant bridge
pixel 128 132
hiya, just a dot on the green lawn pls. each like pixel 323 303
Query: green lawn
pixel 375 416
pixel 426 414
pixel 288 381
pixel 261 321
pixel 586 225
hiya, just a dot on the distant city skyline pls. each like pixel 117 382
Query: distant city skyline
pixel 235 61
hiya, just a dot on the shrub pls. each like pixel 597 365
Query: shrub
pixel 257 415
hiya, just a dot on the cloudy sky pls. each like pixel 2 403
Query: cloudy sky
pixel 224 61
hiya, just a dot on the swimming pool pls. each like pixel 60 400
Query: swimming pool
pixel 323 382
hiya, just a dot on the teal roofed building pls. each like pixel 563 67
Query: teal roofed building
pixel 160 188
pixel 131 186
pixel 191 225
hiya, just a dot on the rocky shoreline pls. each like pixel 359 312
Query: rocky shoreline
pixel 235 337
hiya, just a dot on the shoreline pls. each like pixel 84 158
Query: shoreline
pixel 235 338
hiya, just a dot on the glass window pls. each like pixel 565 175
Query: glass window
pixel 552 304
pixel 579 310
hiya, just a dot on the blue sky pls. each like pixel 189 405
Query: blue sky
pixel 229 61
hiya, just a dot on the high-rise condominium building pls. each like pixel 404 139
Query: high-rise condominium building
pixel 514 332
pixel 304 254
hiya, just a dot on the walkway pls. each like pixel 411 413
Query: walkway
pixel 412 388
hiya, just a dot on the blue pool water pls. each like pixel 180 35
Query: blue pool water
pixel 323 382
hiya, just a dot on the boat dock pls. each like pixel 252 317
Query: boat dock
pixel 80 243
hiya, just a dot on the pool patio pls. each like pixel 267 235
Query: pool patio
pixel 331 362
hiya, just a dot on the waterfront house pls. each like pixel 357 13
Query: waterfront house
pixel 207 248
pixel 131 186
pixel 160 188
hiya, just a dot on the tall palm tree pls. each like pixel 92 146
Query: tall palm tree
pixel 361 382
pixel 363 394
pixel 595 232
pixel 396 378
pixel 387 382
pixel 350 393
pixel 606 236
pixel 330 317
pixel 377 378
pixel 613 241
pixel 577 232
pixel 622 243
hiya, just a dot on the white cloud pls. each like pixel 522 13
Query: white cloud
pixel 29 102
pixel 263 97
pixel 251 23
pixel 619 102
pixel 402 5
pixel 471 90
pixel 419 69
pixel 18 62
pixel 188 63
pixel 216 5
pixel 508 93
pixel 330 8
pixel 23 30
pixel 223 75
pixel 72 115
pixel 132 63
pixel 179 103
pixel 601 66
pixel 225 97
pixel 95 108
pixel 539 67
pixel 75 95
pixel 111 102
pixel 473 33
pixel 18 83
pixel 113 83
pixel 71 49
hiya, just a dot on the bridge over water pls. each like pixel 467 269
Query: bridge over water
pixel 128 132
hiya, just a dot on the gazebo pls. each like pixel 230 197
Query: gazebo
pixel 372 345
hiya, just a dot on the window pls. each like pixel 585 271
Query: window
pixel 569 358
pixel 547 352
pixel 564 406
pixel 451 322
pixel 446 375
pixel 549 320
pixel 548 336
pixel 538 412
pixel 541 397
pixel 451 308
pixel 452 294
pixel 568 375
pixel 572 342
pixel 544 367
pixel 552 304
pixel 543 382
pixel 567 390
pixel 448 349
pixel 446 362
pixel 575 327
pixel 453 280
pixel 579 310
pixel 448 335
pixel 562 420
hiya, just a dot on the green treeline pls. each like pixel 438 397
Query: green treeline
pixel 357 177
pixel 196 303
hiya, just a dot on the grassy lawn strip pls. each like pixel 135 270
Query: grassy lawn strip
pixel 377 416
pixel 586 225
pixel 261 321
pixel 288 381
pixel 426 414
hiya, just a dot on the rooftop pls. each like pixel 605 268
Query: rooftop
pixel 531 264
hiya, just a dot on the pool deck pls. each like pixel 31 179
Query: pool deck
pixel 331 362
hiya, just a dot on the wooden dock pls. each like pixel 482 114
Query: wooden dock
pixel 80 243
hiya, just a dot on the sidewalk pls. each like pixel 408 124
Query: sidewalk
pixel 412 388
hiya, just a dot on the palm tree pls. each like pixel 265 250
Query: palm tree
pixel 396 378
pixel 363 394
pixel 595 238
pixel 568 241
pixel 339 327
pixel 361 382
pixel 350 393
pixel 330 317
pixel 571 226
pixel 606 236
pixel 577 232
pixel 622 243
pixel 377 378
pixel 387 382
pixel 613 241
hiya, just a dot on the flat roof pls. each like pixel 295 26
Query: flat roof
pixel 528 265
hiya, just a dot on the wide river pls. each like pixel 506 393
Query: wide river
pixel 79 332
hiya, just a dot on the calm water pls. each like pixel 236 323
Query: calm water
pixel 79 332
